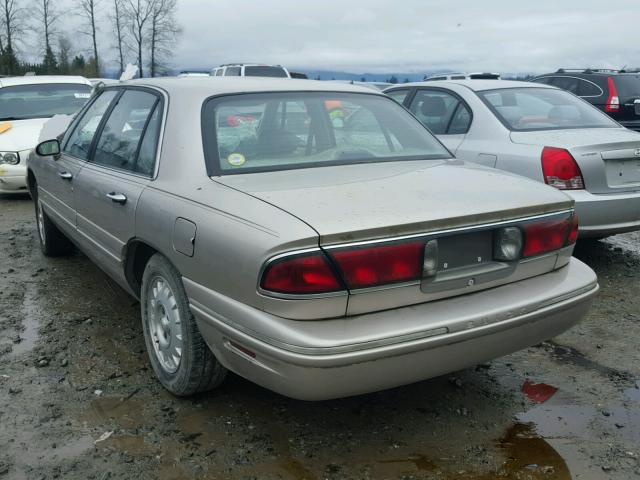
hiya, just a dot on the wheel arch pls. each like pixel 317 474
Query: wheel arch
pixel 32 184
pixel 137 255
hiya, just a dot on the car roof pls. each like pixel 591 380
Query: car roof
pixel 478 85
pixel 42 79
pixel 209 86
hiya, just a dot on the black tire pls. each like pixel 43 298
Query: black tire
pixel 53 242
pixel 197 369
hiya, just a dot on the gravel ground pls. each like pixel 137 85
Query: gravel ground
pixel 78 399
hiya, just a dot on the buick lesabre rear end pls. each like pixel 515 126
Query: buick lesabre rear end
pixel 317 240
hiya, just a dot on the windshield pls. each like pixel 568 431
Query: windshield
pixel 42 100
pixel 285 130
pixel 264 71
pixel 524 109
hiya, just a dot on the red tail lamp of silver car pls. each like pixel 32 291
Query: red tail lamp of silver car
pixel 560 169
pixel 357 267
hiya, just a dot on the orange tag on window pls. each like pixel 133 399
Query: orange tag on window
pixel 4 127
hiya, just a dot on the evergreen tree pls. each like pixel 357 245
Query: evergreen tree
pixel 49 62
pixel 9 64
pixel 78 65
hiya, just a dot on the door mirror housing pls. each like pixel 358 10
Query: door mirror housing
pixel 49 147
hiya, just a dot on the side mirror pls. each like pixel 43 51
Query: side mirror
pixel 50 147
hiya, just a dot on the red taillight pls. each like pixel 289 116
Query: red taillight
pixel 549 235
pixel 560 170
pixel 306 274
pixel 370 266
pixel 613 101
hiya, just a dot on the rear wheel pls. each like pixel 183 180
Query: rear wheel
pixel 52 241
pixel 180 358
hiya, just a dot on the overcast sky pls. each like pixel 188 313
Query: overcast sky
pixel 409 35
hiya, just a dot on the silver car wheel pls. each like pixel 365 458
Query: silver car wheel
pixel 40 219
pixel 165 325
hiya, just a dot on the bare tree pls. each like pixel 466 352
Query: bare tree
pixel 88 10
pixel 138 13
pixel 118 22
pixel 47 16
pixel 163 33
pixel 13 22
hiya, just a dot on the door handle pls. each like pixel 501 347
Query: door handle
pixel 65 175
pixel 117 198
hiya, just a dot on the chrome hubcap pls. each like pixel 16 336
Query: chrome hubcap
pixel 164 325
pixel 41 223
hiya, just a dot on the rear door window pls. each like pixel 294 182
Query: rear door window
pixel 398 95
pixel 118 145
pixel 543 80
pixel 588 89
pixel 570 84
pixel 79 143
pixel 232 72
pixel 441 112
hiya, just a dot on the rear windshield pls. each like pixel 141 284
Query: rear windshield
pixel 628 85
pixel 286 130
pixel 524 109
pixel 258 71
pixel 41 101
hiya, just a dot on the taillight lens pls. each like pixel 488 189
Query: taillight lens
pixel 548 235
pixel 306 274
pixel 560 170
pixel 613 101
pixel 370 266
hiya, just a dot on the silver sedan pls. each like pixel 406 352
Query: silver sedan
pixel 312 237
pixel 540 132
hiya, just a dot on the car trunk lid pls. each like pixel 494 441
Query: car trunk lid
pixel 353 203
pixel 609 158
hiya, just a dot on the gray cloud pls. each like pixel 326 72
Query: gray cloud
pixel 408 36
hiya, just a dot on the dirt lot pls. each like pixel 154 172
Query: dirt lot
pixel 78 399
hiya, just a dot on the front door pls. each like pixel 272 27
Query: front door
pixel 56 186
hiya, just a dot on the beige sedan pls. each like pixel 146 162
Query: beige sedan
pixel 312 237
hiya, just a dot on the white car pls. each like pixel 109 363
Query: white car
pixel 543 133
pixel 463 76
pixel 26 104
pixel 250 70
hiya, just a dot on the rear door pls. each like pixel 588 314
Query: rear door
pixel 122 163
pixel 444 113
pixel 56 184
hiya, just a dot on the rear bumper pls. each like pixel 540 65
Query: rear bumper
pixel 317 360
pixel 13 179
pixel 606 214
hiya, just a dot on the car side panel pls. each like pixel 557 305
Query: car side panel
pixel 231 244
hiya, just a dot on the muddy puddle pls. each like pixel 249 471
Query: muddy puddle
pixel 241 437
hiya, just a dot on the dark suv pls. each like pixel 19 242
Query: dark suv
pixel 616 92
